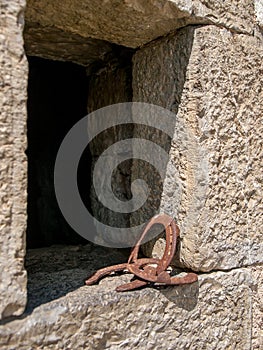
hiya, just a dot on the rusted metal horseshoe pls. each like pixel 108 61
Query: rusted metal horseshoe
pixel 149 270
pixel 137 267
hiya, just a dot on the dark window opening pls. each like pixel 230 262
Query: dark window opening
pixel 57 99
pixel 59 95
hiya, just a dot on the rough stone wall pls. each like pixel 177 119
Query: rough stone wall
pixel 109 85
pixel 13 183
pixel 210 77
pixel 257 307
pixel 220 107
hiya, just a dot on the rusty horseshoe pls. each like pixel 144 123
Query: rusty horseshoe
pixel 149 270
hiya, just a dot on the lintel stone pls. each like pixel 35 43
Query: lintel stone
pixel 127 22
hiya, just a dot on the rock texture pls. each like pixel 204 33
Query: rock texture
pixel 109 85
pixel 55 44
pixel 218 159
pixel 126 22
pixel 257 309
pixel 65 268
pixel 152 84
pixel 13 166
pixel 210 75
pixel 259 12
pixel 214 313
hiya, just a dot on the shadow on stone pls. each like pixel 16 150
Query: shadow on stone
pixel 183 296
pixel 53 272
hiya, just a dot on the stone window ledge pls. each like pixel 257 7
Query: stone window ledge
pixel 62 313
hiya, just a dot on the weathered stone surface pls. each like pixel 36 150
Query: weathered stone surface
pixel 217 99
pixel 156 70
pixel 257 309
pixel 13 166
pixel 214 313
pixel 259 11
pixel 218 160
pixel 109 85
pixel 132 23
pixel 64 269
pixel 53 43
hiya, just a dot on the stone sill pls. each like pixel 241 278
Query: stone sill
pixel 64 314
pixel 53 272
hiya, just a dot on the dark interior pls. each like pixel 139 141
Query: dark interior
pixel 57 99
pixel 59 95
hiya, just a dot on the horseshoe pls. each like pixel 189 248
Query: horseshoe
pixel 143 269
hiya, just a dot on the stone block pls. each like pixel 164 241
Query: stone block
pixel 110 85
pixel 209 78
pixel 257 307
pixel 130 23
pixel 55 44
pixel 214 313
pixel 13 178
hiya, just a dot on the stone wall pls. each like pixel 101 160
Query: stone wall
pixel 257 307
pixel 109 85
pixel 203 61
pixel 220 108
pixel 13 178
